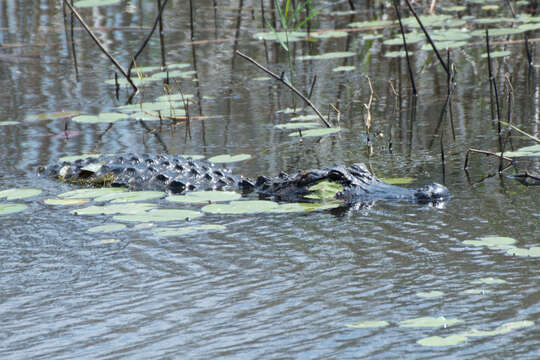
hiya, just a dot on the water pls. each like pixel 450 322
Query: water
pixel 270 286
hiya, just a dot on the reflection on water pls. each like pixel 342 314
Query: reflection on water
pixel 271 285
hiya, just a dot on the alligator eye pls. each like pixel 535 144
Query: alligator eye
pixel 335 175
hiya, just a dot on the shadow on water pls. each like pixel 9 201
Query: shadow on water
pixel 294 285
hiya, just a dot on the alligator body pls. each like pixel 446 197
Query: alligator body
pixel 176 174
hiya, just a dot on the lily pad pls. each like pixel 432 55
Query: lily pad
pixel 161 106
pixel 178 66
pixel 91 193
pixel 476 292
pixel 430 294
pixel 109 117
pixel 437 341
pixel 441 45
pixel 502 329
pixel 107 228
pixel 219 159
pixel 489 281
pixel 298 125
pixel 317 132
pixel 130 196
pixel 6 123
pixel 531 252
pixel 496 242
pixel 398 181
pixel 375 23
pixel 343 68
pixel 65 202
pixel 158 215
pixel 242 207
pixel 135 208
pixel 305 117
pixel 411 38
pixel 14 194
pixel 10 208
pixel 174 97
pixel 329 34
pixel 393 54
pixel 496 54
pixel 90 3
pixel 527 151
pixel 328 56
pixel 204 197
pixel 429 322
pixel 368 324
pixel 188 229
pixel 281 36
pixel 324 190
pixel 51 116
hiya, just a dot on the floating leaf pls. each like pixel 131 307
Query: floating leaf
pixel 10 208
pixel 489 281
pixel 398 181
pixel 328 56
pixel 531 252
pixel 242 207
pixel 100 118
pixel 89 3
pixel 317 132
pixel 476 292
pixel 51 116
pixel 107 228
pixel 496 32
pixel 145 69
pixel 496 54
pixel 429 322
pixel 329 34
pixel 436 341
pixel 14 194
pixel 65 201
pixel 188 229
pixel 450 35
pixel 130 208
pixel 204 197
pixel 376 23
pixel 229 158
pixel 368 324
pixel 527 151
pixel 106 241
pixel 298 125
pixel 441 45
pixel 158 215
pixel 501 330
pixel 411 38
pixel 324 190
pixel 454 8
pixel 6 123
pixel 497 242
pixel 343 68
pixel 131 196
pixel 174 97
pixel 281 36
pixel 161 106
pixel 91 193
pixel 305 117
pixel 430 294
pixel 393 54
pixel 490 7
pixel 178 65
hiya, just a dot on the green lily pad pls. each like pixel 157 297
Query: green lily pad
pixel 281 36
pixel 442 45
pixel 6 123
pixel 130 196
pixel 502 329
pixel 393 54
pixel 324 190
pixel 497 242
pixel 429 322
pixel 172 74
pixel 91 193
pixel 529 27
pixel 107 228
pixel 287 111
pixel 178 66
pixel 302 118
pixel 109 117
pixel 450 35
pixel 219 159
pixel 14 194
pixel 204 197
pixel 343 68
pixel 162 106
pixel 489 281
pixel 375 23
pixel 138 81
pixel 90 3
pixel 145 69
pixel 105 242
pixel 158 215
pixel 437 341
pixel 476 292
pixel 298 125
pixel 496 32
pixel 317 132
pixel 242 207
pixel 398 181
pixel 174 97
pixel 430 20
pixel 188 229
pixel 531 252
pixel 65 202
pixel 411 38
pixel 328 56
pixel 51 116
pixel 329 34
pixel 490 7
pixel 496 54
pixel 454 8
pixel 306 207
pixel 527 151
pixel 129 208
pixel 430 294
pixel 368 324
pixel 10 208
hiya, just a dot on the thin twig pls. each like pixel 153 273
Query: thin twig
pixel 290 86
pixel 470 150
pixel 409 67
pixel 100 45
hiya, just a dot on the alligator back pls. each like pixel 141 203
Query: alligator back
pixel 171 173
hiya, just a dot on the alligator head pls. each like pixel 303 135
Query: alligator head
pixel 357 185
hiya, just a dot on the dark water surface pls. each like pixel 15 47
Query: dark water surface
pixel 271 285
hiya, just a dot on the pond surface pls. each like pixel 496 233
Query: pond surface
pixel 295 285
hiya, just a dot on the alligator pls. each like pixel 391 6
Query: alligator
pixel 176 174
